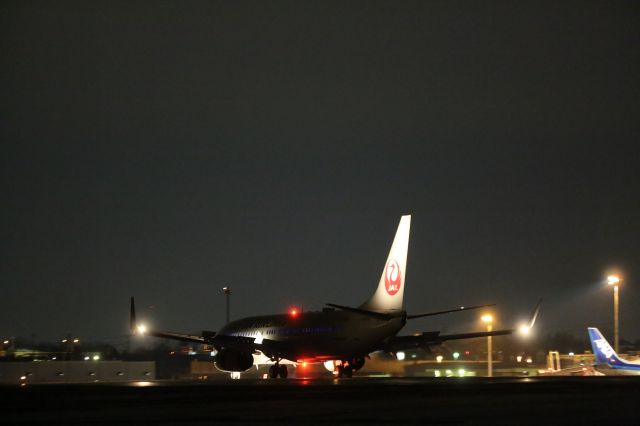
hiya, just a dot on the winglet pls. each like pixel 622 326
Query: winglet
pixel 534 316
pixel 132 317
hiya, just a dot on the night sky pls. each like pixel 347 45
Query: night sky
pixel 167 149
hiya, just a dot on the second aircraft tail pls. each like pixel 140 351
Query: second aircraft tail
pixel 602 350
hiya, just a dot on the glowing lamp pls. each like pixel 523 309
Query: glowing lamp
pixel 613 280
pixel 293 312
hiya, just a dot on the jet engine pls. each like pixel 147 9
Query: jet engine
pixel 228 359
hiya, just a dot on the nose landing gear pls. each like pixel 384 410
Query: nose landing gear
pixel 278 370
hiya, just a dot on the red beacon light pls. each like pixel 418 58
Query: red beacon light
pixel 293 312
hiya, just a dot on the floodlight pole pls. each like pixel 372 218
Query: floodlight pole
pixel 615 318
pixel 227 292
pixel 615 280
pixel 488 319
pixel 489 353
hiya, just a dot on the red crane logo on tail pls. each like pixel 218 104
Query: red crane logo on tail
pixel 392 277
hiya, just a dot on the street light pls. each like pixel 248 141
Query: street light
pixel 227 292
pixel 614 280
pixel 488 319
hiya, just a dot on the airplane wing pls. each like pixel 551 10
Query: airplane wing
pixel 141 329
pixel 175 336
pixel 271 348
pixel 434 338
pixel 460 309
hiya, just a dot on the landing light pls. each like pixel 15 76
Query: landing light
pixel 142 329
pixel 524 330
pixel 400 356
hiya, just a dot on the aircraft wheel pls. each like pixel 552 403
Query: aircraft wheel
pixel 284 372
pixel 357 363
pixel 348 371
pixel 273 371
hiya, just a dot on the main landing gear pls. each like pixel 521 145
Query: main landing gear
pixel 278 370
pixel 346 368
pixel 343 371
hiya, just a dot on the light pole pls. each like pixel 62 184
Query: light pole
pixel 615 282
pixel 227 292
pixel 488 319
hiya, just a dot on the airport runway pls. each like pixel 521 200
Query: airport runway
pixel 541 400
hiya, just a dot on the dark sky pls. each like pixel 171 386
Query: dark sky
pixel 166 149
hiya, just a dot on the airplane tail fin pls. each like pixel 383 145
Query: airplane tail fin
pixel 388 296
pixel 602 350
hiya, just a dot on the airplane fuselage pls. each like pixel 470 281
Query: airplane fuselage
pixel 317 336
pixel 620 368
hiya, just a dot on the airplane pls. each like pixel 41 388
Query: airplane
pixel 607 360
pixel 343 334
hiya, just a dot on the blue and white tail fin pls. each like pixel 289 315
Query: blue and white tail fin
pixel 388 295
pixel 602 350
